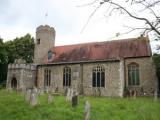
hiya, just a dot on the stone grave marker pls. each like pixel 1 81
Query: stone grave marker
pixel 68 94
pixel 74 100
pixel 50 98
pixel 35 90
pixel 71 94
pixel 155 95
pixel 33 100
pixel 87 111
pixel 28 95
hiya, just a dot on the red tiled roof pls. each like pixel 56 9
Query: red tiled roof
pixel 108 50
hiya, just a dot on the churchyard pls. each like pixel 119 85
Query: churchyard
pixel 46 106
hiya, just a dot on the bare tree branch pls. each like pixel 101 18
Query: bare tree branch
pixel 135 17
pixel 91 15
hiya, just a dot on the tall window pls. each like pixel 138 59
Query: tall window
pixel 67 76
pixel 47 77
pixel 98 77
pixel 133 74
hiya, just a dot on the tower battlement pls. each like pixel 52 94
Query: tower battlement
pixel 45 28
pixel 21 64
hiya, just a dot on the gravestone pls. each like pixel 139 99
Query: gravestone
pixel 155 95
pixel 134 94
pixel 28 95
pixel 33 100
pixel 50 98
pixel 87 111
pixel 35 90
pixel 74 100
pixel 68 94
pixel 71 94
pixel 65 92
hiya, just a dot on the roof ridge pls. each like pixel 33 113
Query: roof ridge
pixel 87 43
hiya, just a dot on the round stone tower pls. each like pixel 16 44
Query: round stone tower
pixel 45 39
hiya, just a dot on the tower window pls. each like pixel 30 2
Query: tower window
pixel 49 55
pixel 38 41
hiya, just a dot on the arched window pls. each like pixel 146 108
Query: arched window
pixel 98 77
pixel 133 74
pixel 67 76
pixel 47 77
pixel 49 55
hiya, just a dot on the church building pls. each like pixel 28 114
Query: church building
pixel 99 68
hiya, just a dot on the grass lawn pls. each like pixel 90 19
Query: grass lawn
pixel 14 107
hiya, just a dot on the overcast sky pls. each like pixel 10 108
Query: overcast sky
pixel 18 17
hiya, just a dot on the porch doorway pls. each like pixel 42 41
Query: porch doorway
pixel 14 83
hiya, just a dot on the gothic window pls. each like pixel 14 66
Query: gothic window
pixel 38 41
pixel 133 74
pixel 49 55
pixel 67 76
pixel 98 77
pixel 47 77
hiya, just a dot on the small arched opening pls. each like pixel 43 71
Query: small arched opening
pixel 14 83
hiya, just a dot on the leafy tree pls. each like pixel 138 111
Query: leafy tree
pixel 22 47
pixel 146 11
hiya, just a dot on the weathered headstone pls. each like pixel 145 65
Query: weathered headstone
pixel 50 98
pixel 87 111
pixel 28 95
pixel 65 92
pixel 134 94
pixel 35 90
pixel 71 94
pixel 33 100
pixel 68 94
pixel 155 95
pixel 74 100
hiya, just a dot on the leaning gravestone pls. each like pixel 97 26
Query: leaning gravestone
pixel 50 98
pixel 87 111
pixel 33 100
pixel 28 95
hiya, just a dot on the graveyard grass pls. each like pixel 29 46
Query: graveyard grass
pixel 14 107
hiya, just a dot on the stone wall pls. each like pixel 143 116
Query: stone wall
pixel 146 73
pixel 81 78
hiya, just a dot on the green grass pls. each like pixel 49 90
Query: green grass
pixel 14 107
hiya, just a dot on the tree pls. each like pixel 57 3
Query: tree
pixel 135 9
pixel 156 59
pixel 22 47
